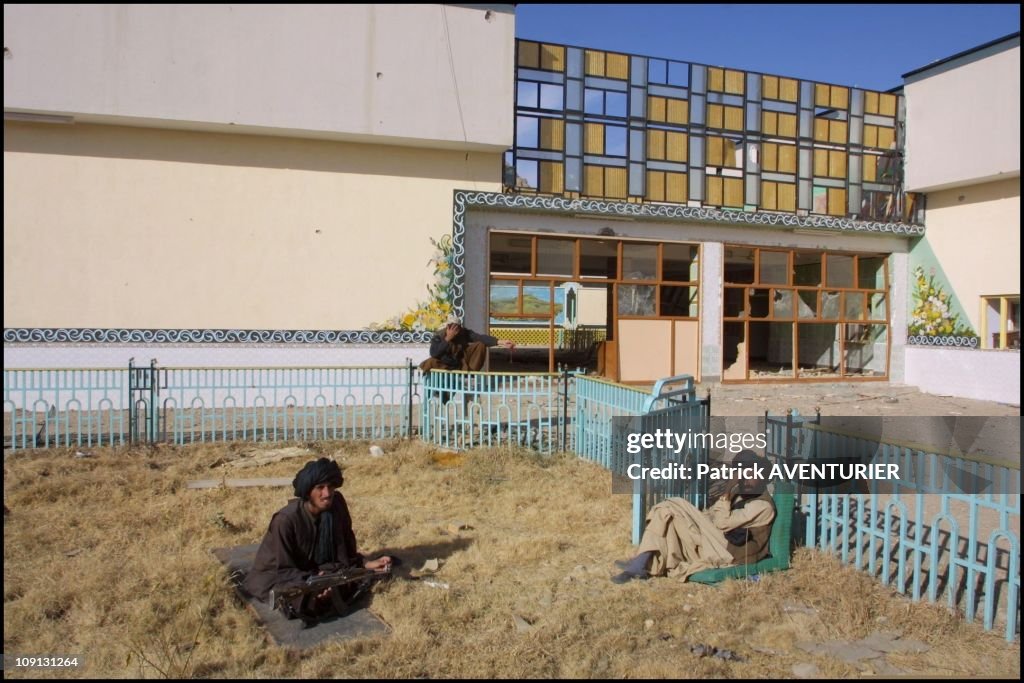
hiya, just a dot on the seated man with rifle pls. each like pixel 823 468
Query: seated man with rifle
pixel 308 565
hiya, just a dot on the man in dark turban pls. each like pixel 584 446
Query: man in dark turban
pixel 310 535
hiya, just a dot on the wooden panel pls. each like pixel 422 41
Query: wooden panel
pixel 552 134
pixel 870 135
pixel 529 54
pixel 656 186
pixel 734 82
pixel 788 89
pixel 836 202
pixel 769 193
pixel 821 95
pixel 770 157
pixel 617 66
pixel 593 138
pixel 887 104
pixel 787 158
pixel 836 164
pixel 870 102
pixel 715 116
pixel 821 163
pixel 733 191
pixel 770 87
pixel 787 125
pixel 713 193
pixel 615 183
pixel 821 130
pixel 645 350
pixel 714 151
pixel 678 111
pixel 886 137
pixel 716 79
pixel 687 348
pixel 734 118
pixel 551 177
pixel 787 196
pixel 769 123
pixel 870 172
pixel 655 144
pixel 840 98
pixel 593 181
pixel 675 187
pixel 837 132
pixel 552 57
pixel 656 108
pixel 595 63
pixel 675 146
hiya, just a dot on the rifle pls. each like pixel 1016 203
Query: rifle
pixel 318 583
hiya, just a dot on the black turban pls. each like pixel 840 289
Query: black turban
pixel 314 473
pixel 748 458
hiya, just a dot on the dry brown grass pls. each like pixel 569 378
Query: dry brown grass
pixel 109 557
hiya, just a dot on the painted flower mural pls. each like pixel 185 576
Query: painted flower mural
pixel 932 315
pixel 430 314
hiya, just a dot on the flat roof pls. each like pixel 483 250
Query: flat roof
pixel 965 53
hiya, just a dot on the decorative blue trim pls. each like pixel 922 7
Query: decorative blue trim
pixel 518 202
pixel 55 335
pixel 948 340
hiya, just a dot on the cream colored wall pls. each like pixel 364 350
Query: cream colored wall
pixel 140 228
pixel 974 233
pixel 431 74
pixel 963 123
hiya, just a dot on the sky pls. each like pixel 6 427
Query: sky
pixel 868 46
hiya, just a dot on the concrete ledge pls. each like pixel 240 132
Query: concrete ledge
pixel 984 375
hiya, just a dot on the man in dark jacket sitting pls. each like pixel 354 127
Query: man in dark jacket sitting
pixel 455 347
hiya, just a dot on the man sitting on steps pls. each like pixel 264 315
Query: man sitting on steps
pixel 455 347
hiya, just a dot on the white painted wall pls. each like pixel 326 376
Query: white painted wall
pixel 967 373
pixel 963 122
pixel 420 75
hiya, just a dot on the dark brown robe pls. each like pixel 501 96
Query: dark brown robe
pixel 286 554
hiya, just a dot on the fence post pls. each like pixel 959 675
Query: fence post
pixel 153 418
pixel 408 394
pixel 564 396
pixel 132 411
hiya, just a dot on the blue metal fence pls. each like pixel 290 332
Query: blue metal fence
pixel 921 534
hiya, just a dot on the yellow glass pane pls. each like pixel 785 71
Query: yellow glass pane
pixel 787 158
pixel 714 151
pixel 821 162
pixel 675 146
pixel 656 108
pixel 552 134
pixel 840 98
pixel 593 181
pixel 769 123
pixel 788 89
pixel 787 125
pixel 551 177
pixel 821 130
pixel 594 138
pixel 770 87
pixel 769 196
pixel 870 168
pixel 733 192
pixel 656 186
pixel 529 54
pixel 714 191
pixel 615 183
pixel 836 164
pixel 786 197
pixel 887 105
pixel 734 118
pixel 716 79
pixel 870 135
pixel 837 132
pixel 821 95
pixel 870 102
pixel 770 157
pixel 678 111
pixel 675 187
pixel 715 116
pixel 595 63
pixel 734 82
pixel 886 137
pixel 729 156
pixel 617 66
pixel 836 202
pixel 655 144
pixel 552 57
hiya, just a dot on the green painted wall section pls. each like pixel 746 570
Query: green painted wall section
pixel 932 306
